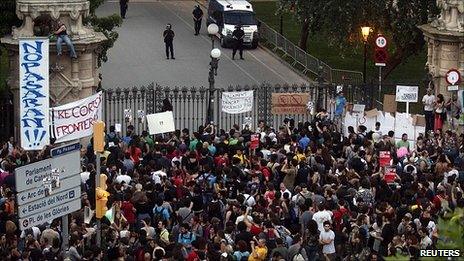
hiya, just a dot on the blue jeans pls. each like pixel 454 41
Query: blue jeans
pixel 65 38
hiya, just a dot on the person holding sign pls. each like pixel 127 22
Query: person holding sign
pixel 439 112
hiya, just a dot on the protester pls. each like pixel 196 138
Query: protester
pixel 306 193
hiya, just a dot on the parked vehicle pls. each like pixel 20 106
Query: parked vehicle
pixel 229 13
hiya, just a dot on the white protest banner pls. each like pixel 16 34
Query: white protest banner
pixel 160 122
pixel 407 93
pixel 34 93
pixel 237 102
pixel 75 120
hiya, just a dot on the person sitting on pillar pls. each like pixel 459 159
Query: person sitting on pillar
pixel 62 36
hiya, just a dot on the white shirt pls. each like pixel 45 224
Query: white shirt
pixel 241 218
pixel 425 242
pixel 428 101
pixel 285 191
pixel 328 248
pixel 320 217
pixel 249 200
pixel 126 178
pixel 35 233
pixel 85 176
pixel 157 175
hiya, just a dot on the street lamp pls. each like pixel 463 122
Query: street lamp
pixel 213 29
pixel 365 30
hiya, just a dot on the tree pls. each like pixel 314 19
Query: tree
pixel 8 16
pixel 397 19
pixel 307 12
pixel 450 231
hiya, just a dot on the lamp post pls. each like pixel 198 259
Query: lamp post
pixel 213 29
pixel 365 30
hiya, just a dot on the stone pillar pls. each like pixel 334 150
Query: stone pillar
pixel 70 80
pixel 445 40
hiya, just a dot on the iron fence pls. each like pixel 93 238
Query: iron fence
pixel 190 104
pixel 307 61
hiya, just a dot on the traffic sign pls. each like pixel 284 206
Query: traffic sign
pixel 40 192
pixel 65 149
pixel 453 77
pixel 380 56
pixel 381 41
pixel 50 214
pixel 32 175
pixel 49 202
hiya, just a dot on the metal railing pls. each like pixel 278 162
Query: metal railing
pixel 190 104
pixel 307 61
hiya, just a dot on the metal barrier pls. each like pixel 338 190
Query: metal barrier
pixel 307 61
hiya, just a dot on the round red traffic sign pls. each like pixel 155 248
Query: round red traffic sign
pixel 381 41
pixel 453 77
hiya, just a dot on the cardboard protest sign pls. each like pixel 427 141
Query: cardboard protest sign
pixel 371 113
pixel 418 120
pixel 389 103
pixel 289 103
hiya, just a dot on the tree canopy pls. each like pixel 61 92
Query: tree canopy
pixel 340 21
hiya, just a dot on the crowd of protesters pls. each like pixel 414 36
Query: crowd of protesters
pixel 307 192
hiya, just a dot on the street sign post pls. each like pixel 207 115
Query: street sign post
pixel 40 192
pixel 49 202
pixel 49 214
pixel 380 58
pixel 381 41
pixel 55 152
pixel 32 175
pixel 453 77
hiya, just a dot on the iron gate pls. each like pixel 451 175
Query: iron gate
pixel 190 104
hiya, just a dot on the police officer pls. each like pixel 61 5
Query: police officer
pixel 238 35
pixel 197 16
pixel 168 36
pixel 123 7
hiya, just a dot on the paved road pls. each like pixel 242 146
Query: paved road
pixel 138 57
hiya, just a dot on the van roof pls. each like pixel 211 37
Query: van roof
pixel 239 5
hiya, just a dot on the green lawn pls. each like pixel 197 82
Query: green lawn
pixel 412 71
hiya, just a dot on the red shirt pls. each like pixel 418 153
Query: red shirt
pixel 135 154
pixel 128 212
pixel 255 230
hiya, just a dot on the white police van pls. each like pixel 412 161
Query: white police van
pixel 229 13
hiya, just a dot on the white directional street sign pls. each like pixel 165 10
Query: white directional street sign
pixel 40 192
pixel 32 175
pixel 49 202
pixel 50 214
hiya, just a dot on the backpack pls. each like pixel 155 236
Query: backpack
pixel 271 239
pixel 158 215
pixel 205 182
